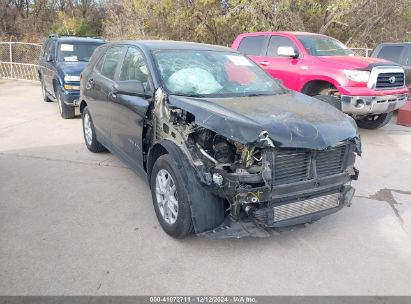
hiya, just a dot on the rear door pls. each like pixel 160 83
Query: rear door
pixel 285 68
pixel 254 47
pixel 99 86
pixel 48 64
pixel 129 111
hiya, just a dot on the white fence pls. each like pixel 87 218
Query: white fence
pixel 19 60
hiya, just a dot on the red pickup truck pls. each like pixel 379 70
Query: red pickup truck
pixel 368 89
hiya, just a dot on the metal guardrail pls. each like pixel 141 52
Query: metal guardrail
pixel 19 60
pixel 365 52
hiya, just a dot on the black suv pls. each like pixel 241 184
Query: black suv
pixel 396 52
pixel 61 62
pixel 228 151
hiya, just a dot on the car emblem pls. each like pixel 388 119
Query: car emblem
pixel 391 79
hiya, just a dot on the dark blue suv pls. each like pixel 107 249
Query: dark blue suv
pixel 61 62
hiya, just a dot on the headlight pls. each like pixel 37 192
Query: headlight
pixel 358 76
pixel 71 78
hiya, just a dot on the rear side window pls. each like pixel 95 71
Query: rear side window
pixel 108 64
pixel 276 42
pixel 391 52
pixel 252 45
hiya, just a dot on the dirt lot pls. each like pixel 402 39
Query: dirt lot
pixel 73 223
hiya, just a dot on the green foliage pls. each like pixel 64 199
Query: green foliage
pixel 66 25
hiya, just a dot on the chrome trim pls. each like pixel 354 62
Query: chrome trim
pixel 372 104
pixel 372 82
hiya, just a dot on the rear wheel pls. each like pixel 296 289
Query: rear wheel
pixel 43 92
pixel 89 133
pixel 372 122
pixel 66 111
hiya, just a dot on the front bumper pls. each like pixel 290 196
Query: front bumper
pixel 365 105
pixel 71 98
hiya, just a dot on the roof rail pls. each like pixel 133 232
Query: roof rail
pixel 92 37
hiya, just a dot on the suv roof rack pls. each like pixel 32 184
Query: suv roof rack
pixel 58 35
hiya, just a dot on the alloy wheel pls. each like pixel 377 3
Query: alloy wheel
pixel 166 194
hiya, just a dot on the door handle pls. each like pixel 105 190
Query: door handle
pixel 90 83
pixel 264 63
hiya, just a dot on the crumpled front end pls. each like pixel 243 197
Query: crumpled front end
pixel 264 185
pixel 277 187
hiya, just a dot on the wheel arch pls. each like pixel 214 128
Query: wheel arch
pixel 315 86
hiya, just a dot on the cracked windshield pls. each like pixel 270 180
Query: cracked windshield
pixel 213 74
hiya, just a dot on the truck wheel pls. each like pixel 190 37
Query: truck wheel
pixel 171 197
pixel 331 100
pixel 90 133
pixel 66 111
pixel 43 92
pixel 372 122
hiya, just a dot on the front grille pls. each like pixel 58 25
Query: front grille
pixel 312 205
pixel 295 166
pixel 330 162
pixel 390 80
pixel 291 167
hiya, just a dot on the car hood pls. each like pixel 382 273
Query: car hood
pixel 292 120
pixel 72 68
pixel 354 62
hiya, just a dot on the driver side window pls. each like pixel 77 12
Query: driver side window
pixel 135 67
pixel 276 42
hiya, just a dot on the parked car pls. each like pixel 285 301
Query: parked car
pixel 368 89
pixel 399 53
pixel 223 144
pixel 62 59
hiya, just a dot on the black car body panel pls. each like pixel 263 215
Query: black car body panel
pixel 292 120
pixel 255 154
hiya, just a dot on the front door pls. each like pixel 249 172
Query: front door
pixel 129 111
pixel 285 68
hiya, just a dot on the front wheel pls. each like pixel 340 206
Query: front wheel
pixel 377 121
pixel 66 111
pixel 171 198
pixel 331 100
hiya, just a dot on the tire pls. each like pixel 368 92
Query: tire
pixel 89 133
pixel 331 100
pixel 171 198
pixel 43 92
pixel 66 111
pixel 373 122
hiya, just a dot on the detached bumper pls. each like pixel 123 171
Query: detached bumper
pixel 364 105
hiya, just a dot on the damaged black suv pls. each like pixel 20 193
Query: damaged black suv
pixel 228 151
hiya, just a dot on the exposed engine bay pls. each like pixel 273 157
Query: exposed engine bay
pixel 261 181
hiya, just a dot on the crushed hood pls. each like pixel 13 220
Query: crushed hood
pixel 292 120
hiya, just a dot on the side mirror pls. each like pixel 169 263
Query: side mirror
pixel 50 58
pixel 287 51
pixel 130 87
